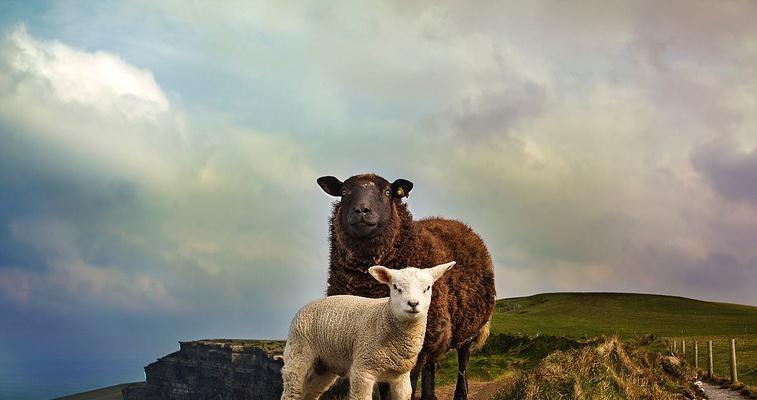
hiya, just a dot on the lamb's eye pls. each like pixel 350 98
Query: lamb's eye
pixel 426 290
pixel 388 193
pixel 396 288
pixel 345 192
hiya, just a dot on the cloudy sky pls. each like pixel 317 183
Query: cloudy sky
pixel 158 159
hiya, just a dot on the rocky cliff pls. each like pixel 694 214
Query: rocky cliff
pixel 218 369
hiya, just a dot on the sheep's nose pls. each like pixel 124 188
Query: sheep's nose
pixel 412 304
pixel 362 209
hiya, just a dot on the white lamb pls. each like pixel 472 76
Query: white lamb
pixel 367 340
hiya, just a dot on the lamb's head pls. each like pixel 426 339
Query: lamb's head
pixel 366 203
pixel 409 288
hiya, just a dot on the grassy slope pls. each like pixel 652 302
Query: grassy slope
pixel 608 368
pixel 628 315
pixel 587 315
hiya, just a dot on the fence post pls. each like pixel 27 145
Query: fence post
pixel 709 362
pixel 734 374
pixel 696 355
pixel 675 346
pixel 683 348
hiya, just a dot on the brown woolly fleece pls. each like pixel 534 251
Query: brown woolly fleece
pixel 462 301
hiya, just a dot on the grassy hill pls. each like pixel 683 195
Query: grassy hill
pixel 525 329
pixel 625 314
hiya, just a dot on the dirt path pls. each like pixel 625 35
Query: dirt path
pixel 485 391
pixel 714 392
pixel 476 390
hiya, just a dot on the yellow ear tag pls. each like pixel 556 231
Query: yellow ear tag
pixel 400 192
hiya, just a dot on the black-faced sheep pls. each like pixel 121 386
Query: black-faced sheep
pixel 371 225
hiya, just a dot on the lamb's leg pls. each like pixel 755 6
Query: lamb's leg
pixel 361 385
pixel 294 373
pixel 400 387
pixel 463 356
pixel 317 384
pixel 427 381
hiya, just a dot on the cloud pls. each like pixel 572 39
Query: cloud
pixel 115 199
pixel 731 172
pixel 577 141
pixel 100 114
pixel 68 282
pixel 99 81
pixel 493 112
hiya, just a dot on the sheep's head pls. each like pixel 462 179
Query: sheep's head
pixel 366 202
pixel 410 288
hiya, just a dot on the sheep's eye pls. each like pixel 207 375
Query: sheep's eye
pixel 345 192
pixel 396 288
pixel 388 193
pixel 427 289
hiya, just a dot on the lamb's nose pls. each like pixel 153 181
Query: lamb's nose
pixel 412 304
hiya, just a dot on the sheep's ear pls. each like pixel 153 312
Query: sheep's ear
pixel 382 274
pixel 331 185
pixel 401 188
pixel 439 270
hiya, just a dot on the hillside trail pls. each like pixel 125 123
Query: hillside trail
pixel 714 392
pixel 476 390
pixel 486 390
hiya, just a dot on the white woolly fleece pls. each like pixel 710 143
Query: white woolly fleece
pixel 368 340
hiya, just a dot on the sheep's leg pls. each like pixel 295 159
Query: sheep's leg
pixel 317 384
pixel 414 375
pixel 361 385
pixel 400 387
pixel 463 356
pixel 427 381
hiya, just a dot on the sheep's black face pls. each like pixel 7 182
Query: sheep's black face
pixel 366 202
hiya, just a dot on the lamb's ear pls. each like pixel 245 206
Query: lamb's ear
pixel 330 185
pixel 401 188
pixel 439 270
pixel 382 274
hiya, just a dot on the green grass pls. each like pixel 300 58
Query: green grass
pixel 506 353
pixel 624 314
pixel 272 347
pixel 583 316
